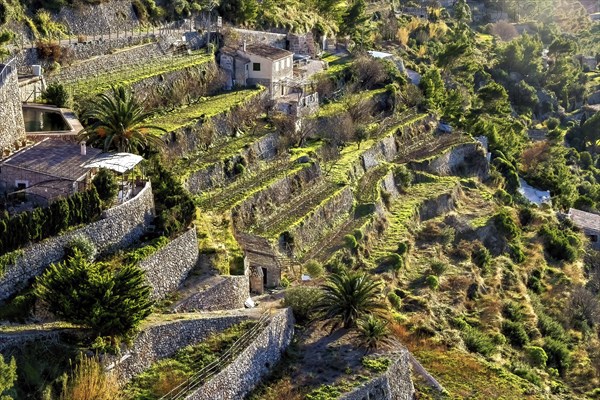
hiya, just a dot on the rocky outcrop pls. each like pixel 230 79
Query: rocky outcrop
pixel 394 384
pixel 440 205
pixel 120 227
pixel 168 267
pixel 162 340
pixel 254 363
pixel 99 19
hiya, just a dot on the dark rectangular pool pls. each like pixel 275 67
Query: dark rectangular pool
pixel 44 120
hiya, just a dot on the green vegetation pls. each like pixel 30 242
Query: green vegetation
pixel 8 376
pixel 56 94
pixel 106 185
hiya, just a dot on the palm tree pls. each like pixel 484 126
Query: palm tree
pixel 373 333
pixel 347 297
pixel 119 123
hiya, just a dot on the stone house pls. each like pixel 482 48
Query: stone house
pixel 589 223
pixel 48 169
pixel 261 64
pixel 261 262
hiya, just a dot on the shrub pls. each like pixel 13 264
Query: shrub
pixel 393 261
pixel 83 245
pixel 552 123
pixel 438 268
pixel 57 95
pixel 106 184
pixel 481 257
pixel 378 365
pixel 550 327
pixel 525 372
pixel 373 333
pixel 350 242
pixel 395 301
pixel 314 268
pixel 515 250
pixel 111 303
pixel 515 333
pixel 432 282
pixel 358 234
pixel 89 381
pixel 537 356
pixel 505 223
pixel 526 216
pixel 503 197
pixel 402 248
pixel 557 244
pixel 513 311
pixel 303 300
pixel 478 342
pixel 559 356
pixel 8 376
pixel 403 177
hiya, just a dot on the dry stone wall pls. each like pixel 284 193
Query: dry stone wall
pixel 238 379
pixel 162 340
pixel 120 227
pixel 99 19
pixel 394 384
pixel 169 266
pixel 12 127
pixel 214 174
pixel 467 159
pixel 224 293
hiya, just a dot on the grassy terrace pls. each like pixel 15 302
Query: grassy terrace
pixel 404 210
pixel 132 74
pixel 337 107
pixel 367 190
pixel 337 62
pixel 206 108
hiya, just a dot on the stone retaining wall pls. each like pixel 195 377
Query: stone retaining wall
pixel 238 379
pixel 214 175
pixel 12 127
pixel 162 340
pixel 467 159
pixel 266 202
pixel 268 38
pixel 320 221
pixel 225 293
pixel 120 227
pixel 99 19
pixel 10 341
pixel 169 267
pixel 394 384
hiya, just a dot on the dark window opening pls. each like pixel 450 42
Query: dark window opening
pixel 594 238
pixel 255 66
pixel 264 270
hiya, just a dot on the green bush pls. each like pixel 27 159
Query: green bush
pixel 559 356
pixel 478 342
pixel 505 223
pixel 537 356
pixel 350 242
pixel 515 333
pixel 358 234
pixel 8 376
pixel 303 300
pixel 513 311
pixel 314 268
pixel 549 327
pixel 393 261
pixel 558 244
pixel 106 184
pixel 402 248
pixel 481 257
pixel 515 250
pixel 438 268
pixel 111 303
pixel 395 301
pixel 525 372
pixel 83 245
pixel 552 123
pixel 503 197
pixel 432 282
pixel 403 177
pixel 526 216
pixel 56 94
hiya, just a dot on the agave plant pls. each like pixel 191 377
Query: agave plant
pixel 119 123
pixel 347 297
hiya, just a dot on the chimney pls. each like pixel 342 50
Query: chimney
pixel 83 148
pixel 244 46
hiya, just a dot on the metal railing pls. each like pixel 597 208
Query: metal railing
pixel 205 374
pixel 7 69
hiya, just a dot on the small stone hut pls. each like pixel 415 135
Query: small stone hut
pixel 261 261
pixel 589 223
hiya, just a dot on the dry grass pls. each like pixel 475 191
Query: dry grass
pixel 89 382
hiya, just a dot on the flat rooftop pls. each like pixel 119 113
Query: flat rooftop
pixel 54 157
pixel 584 219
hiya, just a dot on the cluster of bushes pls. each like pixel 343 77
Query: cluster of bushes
pixel 175 209
pixel 560 244
pixel 32 226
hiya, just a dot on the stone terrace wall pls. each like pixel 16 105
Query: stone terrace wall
pixel 467 159
pixel 214 174
pixel 169 267
pixel 10 341
pixel 163 340
pixel 12 127
pixel 269 38
pixel 119 227
pixel 394 384
pixel 226 293
pixel 253 364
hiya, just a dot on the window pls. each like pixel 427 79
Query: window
pixel 255 66
pixel 287 62
pixel 276 66
pixel 21 185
